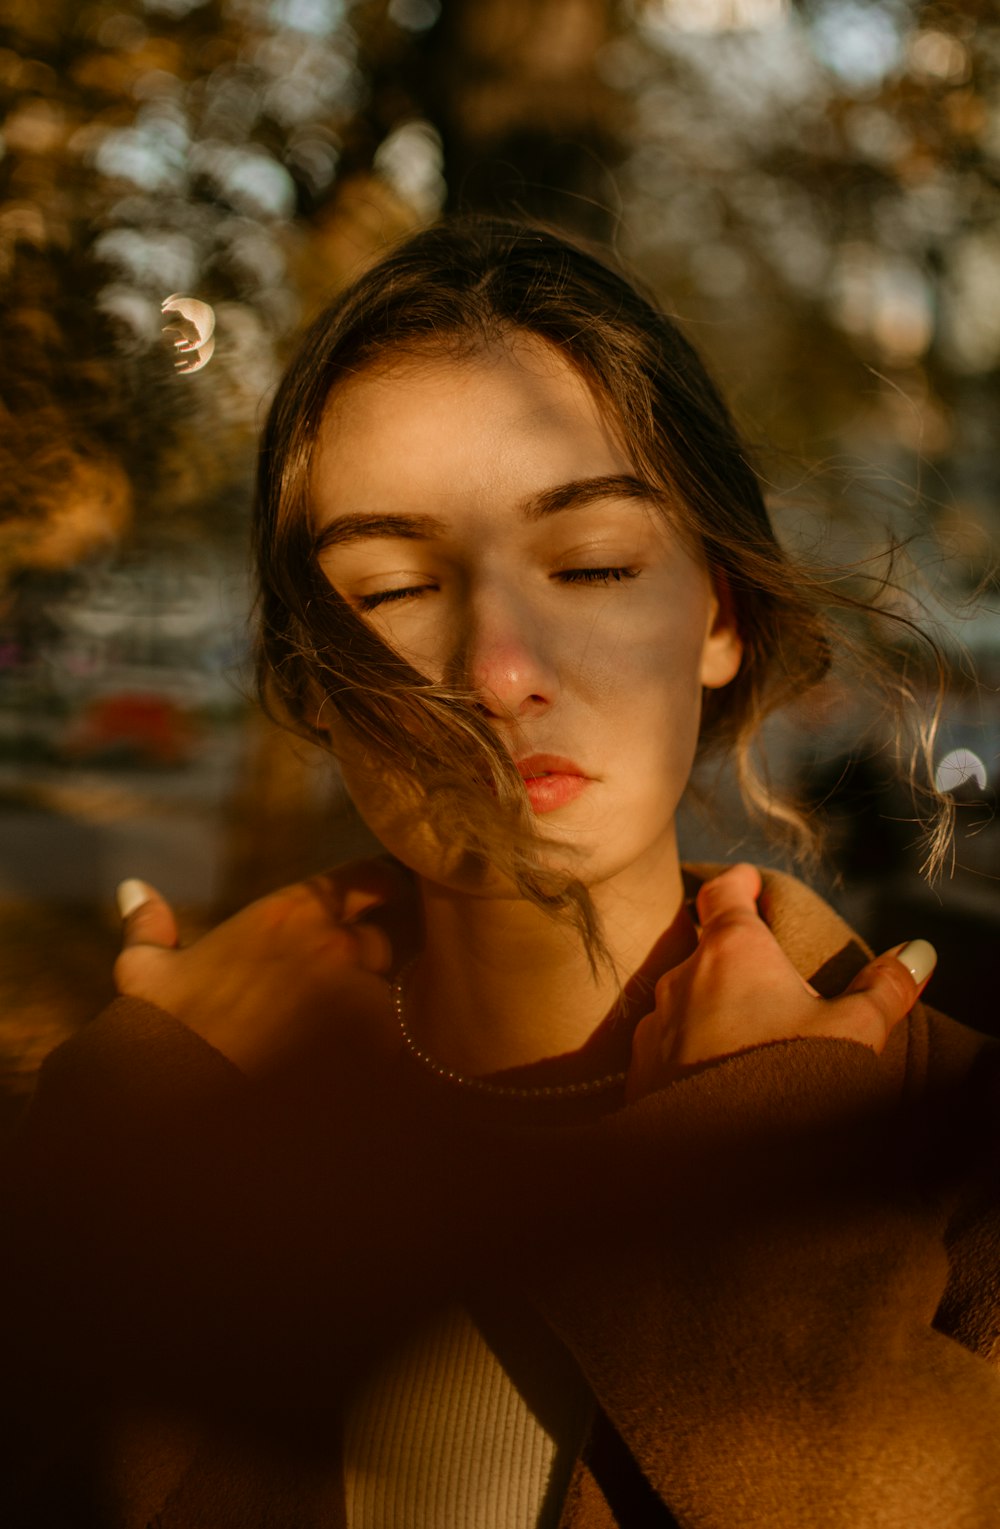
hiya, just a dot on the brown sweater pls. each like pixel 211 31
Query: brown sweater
pixel 780 1276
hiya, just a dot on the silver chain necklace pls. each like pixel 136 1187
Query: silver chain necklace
pixel 483 1085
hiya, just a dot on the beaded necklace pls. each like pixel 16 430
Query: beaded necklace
pixel 484 1085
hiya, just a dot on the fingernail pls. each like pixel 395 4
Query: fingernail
pixel 131 894
pixel 919 958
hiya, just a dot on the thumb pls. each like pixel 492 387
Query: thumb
pixel 730 897
pixel 147 919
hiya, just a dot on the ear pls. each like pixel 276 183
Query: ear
pixel 723 650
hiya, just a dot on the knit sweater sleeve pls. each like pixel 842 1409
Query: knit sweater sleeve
pixel 132 1054
pixel 143 1252
pixel 754 1301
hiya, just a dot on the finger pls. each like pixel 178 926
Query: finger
pixel 645 1050
pixel 351 891
pixel 730 896
pixel 891 985
pixel 147 919
pixel 373 948
pixel 908 967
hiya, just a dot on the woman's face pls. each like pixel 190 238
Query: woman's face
pixel 481 514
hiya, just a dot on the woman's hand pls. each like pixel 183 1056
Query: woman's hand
pixel 739 989
pixel 261 983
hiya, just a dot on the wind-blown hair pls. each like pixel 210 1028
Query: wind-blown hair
pixel 452 289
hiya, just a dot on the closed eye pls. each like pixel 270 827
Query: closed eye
pixel 388 596
pixel 372 602
pixel 595 575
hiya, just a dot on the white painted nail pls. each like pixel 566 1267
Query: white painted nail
pixel 130 895
pixel 919 958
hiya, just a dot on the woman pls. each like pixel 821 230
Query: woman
pixel 551 1183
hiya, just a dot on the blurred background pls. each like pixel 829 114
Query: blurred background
pixel 813 186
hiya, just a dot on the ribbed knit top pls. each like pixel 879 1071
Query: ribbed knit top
pixel 441 1435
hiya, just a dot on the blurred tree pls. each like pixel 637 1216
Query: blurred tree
pixel 818 187
pixel 151 148
pixel 514 92
pixel 816 182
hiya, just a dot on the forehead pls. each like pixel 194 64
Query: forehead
pixel 515 418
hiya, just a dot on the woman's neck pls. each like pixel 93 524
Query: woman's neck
pixel 502 985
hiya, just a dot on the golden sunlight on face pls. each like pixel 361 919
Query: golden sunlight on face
pixel 482 516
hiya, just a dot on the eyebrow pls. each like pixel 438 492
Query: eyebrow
pixel 584 491
pixel 575 495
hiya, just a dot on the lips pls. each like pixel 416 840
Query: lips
pixel 551 781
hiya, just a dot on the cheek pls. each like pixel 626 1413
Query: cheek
pixel 391 813
pixel 394 808
pixel 658 674
pixel 388 804
pixel 655 707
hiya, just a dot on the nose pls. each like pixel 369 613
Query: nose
pixel 506 656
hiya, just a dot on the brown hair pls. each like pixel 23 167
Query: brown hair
pixel 465 284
